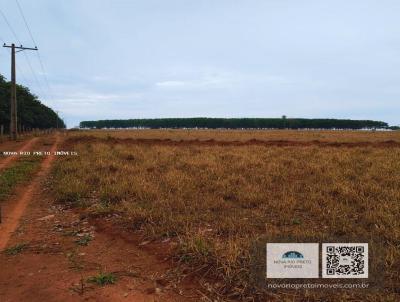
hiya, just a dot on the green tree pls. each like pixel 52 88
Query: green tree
pixel 236 123
pixel 31 112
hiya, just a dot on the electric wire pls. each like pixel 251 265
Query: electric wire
pixel 20 73
pixel 26 56
pixel 35 44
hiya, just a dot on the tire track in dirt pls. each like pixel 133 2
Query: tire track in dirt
pixel 10 222
pixel 8 160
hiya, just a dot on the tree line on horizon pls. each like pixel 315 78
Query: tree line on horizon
pixel 236 123
pixel 31 112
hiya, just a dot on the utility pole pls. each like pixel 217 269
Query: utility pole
pixel 57 121
pixel 13 113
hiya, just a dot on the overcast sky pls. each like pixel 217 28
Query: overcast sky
pixel 109 59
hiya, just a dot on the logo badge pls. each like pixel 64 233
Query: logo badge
pixel 292 260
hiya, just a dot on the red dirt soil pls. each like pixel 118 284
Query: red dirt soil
pixel 54 267
pixel 10 221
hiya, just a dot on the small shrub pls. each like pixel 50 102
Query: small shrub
pixel 84 240
pixel 103 279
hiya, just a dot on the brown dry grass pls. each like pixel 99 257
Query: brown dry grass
pixel 219 202
pixel 244 135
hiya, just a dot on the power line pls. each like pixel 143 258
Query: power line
pixel 34 42
pixel 9 26
pixel 20 73
pixel 26 56
pixel 26 23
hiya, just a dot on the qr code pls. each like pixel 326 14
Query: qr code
pixel 345 260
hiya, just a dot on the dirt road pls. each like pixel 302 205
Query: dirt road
pixel 16 210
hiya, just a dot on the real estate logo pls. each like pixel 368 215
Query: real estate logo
pixel 301 260
pixel 292 260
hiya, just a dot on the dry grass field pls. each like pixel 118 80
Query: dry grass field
pixel 219 202
pixel 244 135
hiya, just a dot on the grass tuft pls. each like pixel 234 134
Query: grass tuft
pixel 16 249
pixel 20 172
pixel 83 241
pixel 103 279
